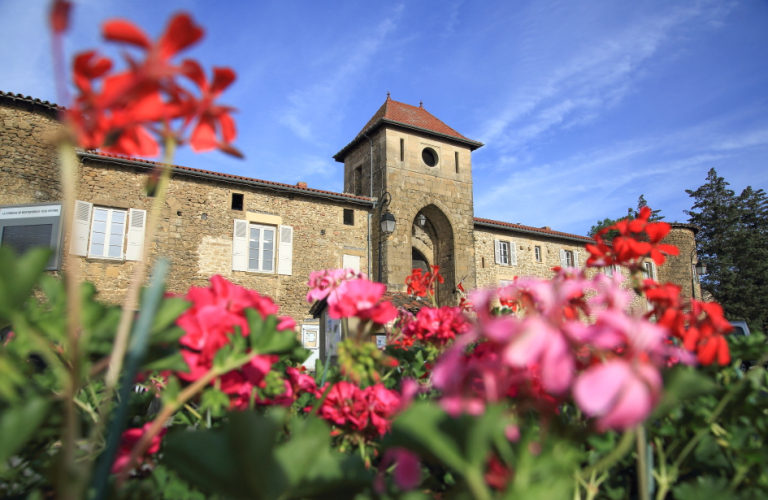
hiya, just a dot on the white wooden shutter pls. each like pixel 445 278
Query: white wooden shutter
pixel 240 246
pixel 608 270
pixel 497 250
pixel 81 227
pixel 563 262
pixel 351 262
pixel 576 259
pixel 512 253
pixel 285 252
pixel 137 222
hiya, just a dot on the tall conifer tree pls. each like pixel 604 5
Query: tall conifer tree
pixel 733 242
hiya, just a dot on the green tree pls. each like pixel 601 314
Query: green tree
pixel 631 214
pixel 733 242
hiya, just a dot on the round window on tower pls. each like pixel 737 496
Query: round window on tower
pixel 429 156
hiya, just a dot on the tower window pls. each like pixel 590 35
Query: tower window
pixel 237 201
pixel 457 161
pixel 402 149
pixel 357 181
pixel 429 156
pixel 349 217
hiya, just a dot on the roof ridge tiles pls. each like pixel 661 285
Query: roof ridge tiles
pixel 229 176
pixel 531 228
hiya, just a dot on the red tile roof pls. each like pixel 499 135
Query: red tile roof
pixel 410 303
pixel 399 113
pixel 299 187
pixel 530 229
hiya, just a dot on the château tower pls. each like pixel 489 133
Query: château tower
pixel 426 168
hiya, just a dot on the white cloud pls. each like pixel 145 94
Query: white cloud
pixel 312 108
pixel 568 86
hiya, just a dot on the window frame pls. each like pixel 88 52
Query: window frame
pixel 348 217
pixel 537 253
pixel 504 258
pixel 570 261
pixel 111 211
pixel 51 213
pixel 275 244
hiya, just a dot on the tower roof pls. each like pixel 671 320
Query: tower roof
pixel 408 116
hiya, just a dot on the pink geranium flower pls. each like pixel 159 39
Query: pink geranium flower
pixel 620 394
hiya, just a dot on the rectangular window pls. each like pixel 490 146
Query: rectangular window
pixel 107 233
pixel 648 270
pixel 357 181
pixel 569 261
pixel 503 283
pixel 349 217
pixel 237 201
pixel 504 253
pixel 402 149
pixel 537 253
pixel 261 249
pixel 457 162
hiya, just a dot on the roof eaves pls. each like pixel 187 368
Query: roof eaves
pixel 50 106
pixel 339 157
pixel 551 234
pixel 193 172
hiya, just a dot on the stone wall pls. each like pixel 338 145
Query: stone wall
pixel 440 193
pixel 25 133
pixel 489 273
pixel 679 269
pixel 196 225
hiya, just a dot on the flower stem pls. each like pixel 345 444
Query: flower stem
pixel 613 457
pixel 132 298
pixel 70 480
pixel 642 464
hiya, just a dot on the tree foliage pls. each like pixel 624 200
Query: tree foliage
pixel 631 214
pixel 733 242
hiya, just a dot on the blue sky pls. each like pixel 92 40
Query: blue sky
pixel 583 106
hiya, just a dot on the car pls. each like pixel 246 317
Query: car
pixel 740 328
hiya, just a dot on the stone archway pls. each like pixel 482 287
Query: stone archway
pixel 434 241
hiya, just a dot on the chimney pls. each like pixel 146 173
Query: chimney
pixel 301 184
pixel 547 228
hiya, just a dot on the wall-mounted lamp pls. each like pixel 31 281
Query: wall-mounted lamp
pixel 421 220
pixel 701 268
pixel 388 224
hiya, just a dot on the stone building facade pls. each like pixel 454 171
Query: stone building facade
pixel 269 236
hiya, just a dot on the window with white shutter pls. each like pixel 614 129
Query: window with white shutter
pixel 502 251
pixel 81 227
pixel 512 253
pixel 107 233
pixel 575 254
pixel 240 245
pixel 261 248
pixel 285 251
pixel 137 221
pixel 563 262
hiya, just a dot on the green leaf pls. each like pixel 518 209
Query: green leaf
pixel 174 362
pixel 420 425
pixel 252 439
pixel 169 311
pixel 309 440
pixel 18 275
pixel 684 383
pixel 18 424
pixel 206 460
